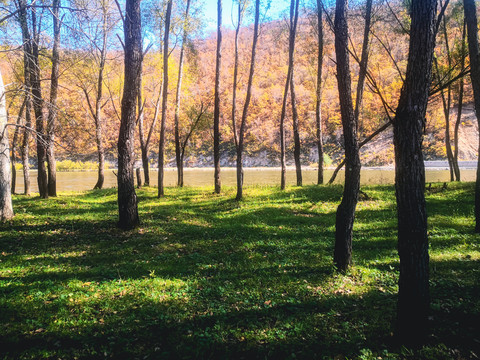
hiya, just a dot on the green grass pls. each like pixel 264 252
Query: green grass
pixel 208 277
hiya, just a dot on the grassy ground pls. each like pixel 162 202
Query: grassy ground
pixel 208 277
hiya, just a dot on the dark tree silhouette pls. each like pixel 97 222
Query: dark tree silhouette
pixel 216 111
pixel 413 299
pixel 473 50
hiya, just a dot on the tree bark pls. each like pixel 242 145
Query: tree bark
pixel 296 135
pixel 291 51
pixel 413 296
pixel 37 99
pixel 473 50
pixel 127 198
pixel 14 146
pixel 178 149
pixel 216 111
pixel 459 108
pixel 6 208
pixel 161 146
pixel 26 138
pixel 52 110
pixel 346 210
pixel 243 123
pixel 318 93
pixel 98 106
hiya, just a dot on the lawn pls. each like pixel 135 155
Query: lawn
pixel 208 277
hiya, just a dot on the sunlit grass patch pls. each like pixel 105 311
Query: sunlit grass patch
pixel 206 276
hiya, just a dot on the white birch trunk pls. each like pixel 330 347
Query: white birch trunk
pixel 6 209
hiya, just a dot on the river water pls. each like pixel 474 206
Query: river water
pixel 85 180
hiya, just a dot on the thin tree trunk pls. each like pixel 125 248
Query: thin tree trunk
pixel 241 134
pixel 127 198
pixel 291 52
pixel 161 146
pixel 413 299
pixel 145 163
pixel 296 135
pixel 37 99
pixel 362 75
pixel 178 149
pixel 52 110
pixel 216 111
pixel 459 107
pixel 235 74
pixel 14 146
pixel 98 106
pixel 363 61
pixel 318 93
pixel 473 50
pixel 26 139
pixel 6 208
pixel 346 210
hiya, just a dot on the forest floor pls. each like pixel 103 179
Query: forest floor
pixel 208 277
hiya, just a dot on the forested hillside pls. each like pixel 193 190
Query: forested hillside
pixel 75 134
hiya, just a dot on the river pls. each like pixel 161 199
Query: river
pixel 85 180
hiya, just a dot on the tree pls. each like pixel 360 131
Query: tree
pixel 6 208
pixel 14 146
pixel 413 292
pixel 291 51
pixel 161 146
pixel 216 110
pixel 31 56
pixel 346 210
pixel 474 53
pixel 243 121
pixel 52 109
pixel 318 91
pixel 460 105
pixel 178 150
pixel 127 198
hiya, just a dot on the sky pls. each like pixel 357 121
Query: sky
pixel 276 8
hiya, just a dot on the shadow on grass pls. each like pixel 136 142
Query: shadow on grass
pixel 209 277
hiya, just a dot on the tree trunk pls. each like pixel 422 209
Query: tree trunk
pixel 98 106
pixel 346 210
pixel 26 139
pixel 296 135
pixel 52 110
pixel 178 149
pixel 473 50
pixel 459 108
pixel 6 208
pixel 37 99
pixel 161 146
pixel 291 51
pixel 139 177
pixel 318 93
pixel 413 296
pixel 241 134
pixel 14 146
pixel 216 111
pixel 127 198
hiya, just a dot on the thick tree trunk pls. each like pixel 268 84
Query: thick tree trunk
pixel 127 198
pixel 161 146
pixel 318 92
pixel 296 135
pixel 473 50
pixel 346 210
pixel 216 111
pixel 413 299
pixel 52 110
pixel 178 149
pixel 6 208
pixel 248 98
